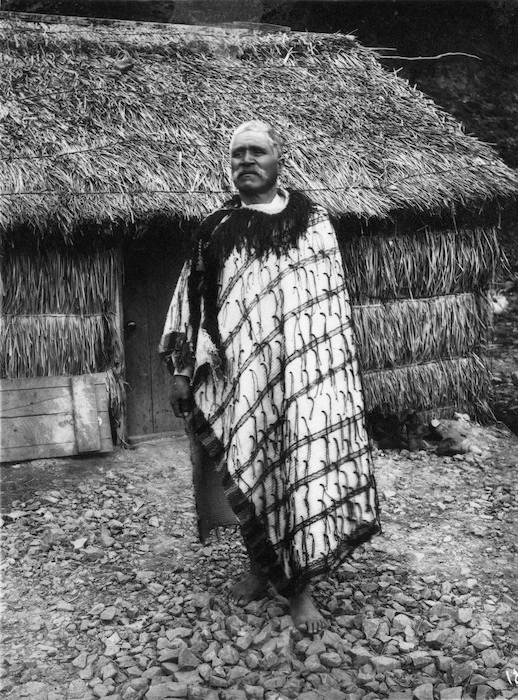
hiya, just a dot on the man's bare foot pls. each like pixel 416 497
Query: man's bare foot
pixel 304 614
pixel 252 587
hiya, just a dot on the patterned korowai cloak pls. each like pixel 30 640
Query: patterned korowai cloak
pixel 261 310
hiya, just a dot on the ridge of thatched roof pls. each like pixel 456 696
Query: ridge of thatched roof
pixel 87 139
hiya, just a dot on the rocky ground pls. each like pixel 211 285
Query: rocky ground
pixel 109 594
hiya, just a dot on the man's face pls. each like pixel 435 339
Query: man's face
pixel 254 163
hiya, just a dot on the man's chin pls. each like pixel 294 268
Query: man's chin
pixel 247 187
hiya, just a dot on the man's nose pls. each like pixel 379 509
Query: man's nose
pixel 248 156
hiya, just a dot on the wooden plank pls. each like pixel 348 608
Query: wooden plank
pixel 103 410
pixel 38 419
pixel 64 449
pixel 31 402
pixel 22 383
pixel 46 430
pixel 86 424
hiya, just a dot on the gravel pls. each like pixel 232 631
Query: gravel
pixel 109 594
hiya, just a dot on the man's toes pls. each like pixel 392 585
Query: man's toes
pixel 309 624
pixel 250 588
pixel 236 598
pixel 322 624
pixel 314 626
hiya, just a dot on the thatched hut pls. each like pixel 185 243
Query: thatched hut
pixel 114 144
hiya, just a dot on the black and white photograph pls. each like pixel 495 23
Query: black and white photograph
pixel 259 349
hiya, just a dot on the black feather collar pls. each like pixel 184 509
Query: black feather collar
pixel 235 226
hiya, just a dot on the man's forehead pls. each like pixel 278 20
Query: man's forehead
pixel 251 137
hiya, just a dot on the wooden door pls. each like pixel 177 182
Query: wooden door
pixel 151 270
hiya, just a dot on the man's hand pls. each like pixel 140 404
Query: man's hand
pixel 181 396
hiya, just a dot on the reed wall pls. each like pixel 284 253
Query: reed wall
pixel 423 318
pixel 61 316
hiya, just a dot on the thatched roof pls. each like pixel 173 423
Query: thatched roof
pixel 84 139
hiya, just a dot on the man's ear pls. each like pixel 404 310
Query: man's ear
pixel 281 164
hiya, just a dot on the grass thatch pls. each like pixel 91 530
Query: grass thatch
pixel 422 317
pixel 83 141
pixel 49 345
pixel 426 264
pixel 59 317
pixel 62 282
pixel 434 389
pixel 397 333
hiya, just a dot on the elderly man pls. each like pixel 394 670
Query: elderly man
pixel 260 342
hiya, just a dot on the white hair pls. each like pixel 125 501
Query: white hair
pixel 272 134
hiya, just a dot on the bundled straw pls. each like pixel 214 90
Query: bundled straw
pixel 83 142
pixel 422 317
pixel 52 345
pixel 427 264
pixel 61 281
pixel 395 333
pixel 434 389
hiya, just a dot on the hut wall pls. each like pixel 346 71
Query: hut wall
pixel 61 317
pixel 422 318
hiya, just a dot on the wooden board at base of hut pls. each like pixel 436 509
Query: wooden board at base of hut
pixel 45 417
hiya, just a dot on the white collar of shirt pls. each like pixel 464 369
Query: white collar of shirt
pixel 277 204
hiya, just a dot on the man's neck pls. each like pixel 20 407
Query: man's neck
pixel 259 197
